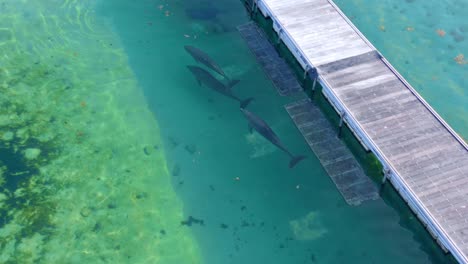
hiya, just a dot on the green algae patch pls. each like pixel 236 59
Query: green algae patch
pixel 83 175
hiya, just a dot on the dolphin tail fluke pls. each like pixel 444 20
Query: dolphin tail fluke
pixel 295 160
pixel 246 102
pixel 232 83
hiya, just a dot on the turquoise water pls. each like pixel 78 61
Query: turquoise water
pixel 259 207
pixel 135 147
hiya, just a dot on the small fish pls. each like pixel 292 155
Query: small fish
pixel 192 220
pixel 191 148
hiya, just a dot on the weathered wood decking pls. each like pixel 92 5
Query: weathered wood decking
pixel 335 157
pixel 274 66
pixel 423 158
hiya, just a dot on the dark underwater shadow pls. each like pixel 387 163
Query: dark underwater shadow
pixel 211 15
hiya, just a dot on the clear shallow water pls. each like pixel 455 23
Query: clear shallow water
pixel 194 115
pixel 129 177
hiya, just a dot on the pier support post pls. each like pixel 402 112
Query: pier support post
pixel 313 74
pixel 253 8
pixel 313 87
pixel 342 116
pixel 386 173
pixel 278 39
pixel 305 72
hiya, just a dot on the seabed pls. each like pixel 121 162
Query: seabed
pixel 83 174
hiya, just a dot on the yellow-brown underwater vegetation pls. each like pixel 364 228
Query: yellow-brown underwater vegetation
pixel 83 175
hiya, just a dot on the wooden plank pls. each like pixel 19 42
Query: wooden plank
pixel 274 66
pixel 337 160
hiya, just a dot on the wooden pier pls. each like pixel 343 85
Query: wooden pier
pixel 423 157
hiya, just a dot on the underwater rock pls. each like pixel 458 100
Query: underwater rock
pixel 307 227
pixel 32 153
pixel 97 227
pixel 112 205
pixel 147 151
pixel 85 211
pixel 141 195
pixel 7 136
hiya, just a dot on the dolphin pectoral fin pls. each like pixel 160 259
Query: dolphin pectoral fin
pixel 199 82
pixel 232 83
pixel 226 78
pixel 246 102
pixel 295 160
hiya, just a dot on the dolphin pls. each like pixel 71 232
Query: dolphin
pixel 203 58
pixel 204 77
pixel 263 129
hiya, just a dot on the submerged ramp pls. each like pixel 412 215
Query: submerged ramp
pixel 274 66
pixel 423 157
pixel 333 154
pixel 335 157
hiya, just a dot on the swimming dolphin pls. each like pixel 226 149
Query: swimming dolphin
pixel 203 58
pixel 204 77
pixel 263 129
